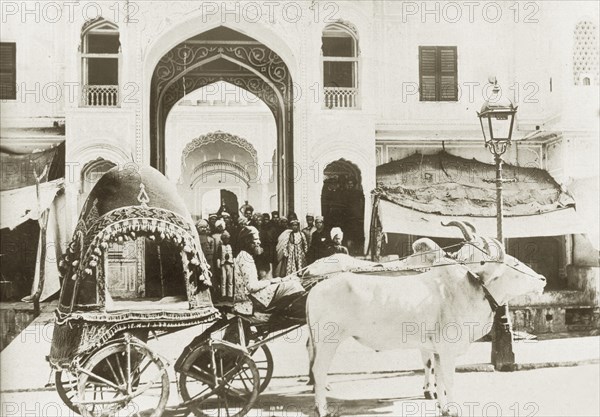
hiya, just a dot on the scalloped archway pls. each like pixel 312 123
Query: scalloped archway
pixel 218 136
pixel 223 54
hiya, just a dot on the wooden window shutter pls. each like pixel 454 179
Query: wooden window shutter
pixel 448 83
pixel 427 73
pixel 438 73
pixel 8 70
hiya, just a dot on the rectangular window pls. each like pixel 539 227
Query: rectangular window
pixel 338 46
pixel 339 74
pixel 438 78
pixel 103 71
pixel 8 71
pixel 103 43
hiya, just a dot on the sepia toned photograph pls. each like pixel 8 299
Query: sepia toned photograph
pixel 299 208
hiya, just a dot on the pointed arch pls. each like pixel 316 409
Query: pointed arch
pixel 195 63
pixel 343 202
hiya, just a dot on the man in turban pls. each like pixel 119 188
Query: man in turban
pixel 310 228
pixel 225 266
pixel 275 216
pixel 336 238
pixel 296 248
pixel 247 210
pixel 275 294
pixel 319 243
pixel 207 243
pixel 218 230
pixel 212 219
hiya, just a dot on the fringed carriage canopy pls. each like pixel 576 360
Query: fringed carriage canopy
pixel 127 203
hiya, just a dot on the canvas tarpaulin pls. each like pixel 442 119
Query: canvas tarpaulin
pixel 56 240
pixel 418 192
pixel 398 219
pixel 21 200
pixel 19 170
pixel 21 204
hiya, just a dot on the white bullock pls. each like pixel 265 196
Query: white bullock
pixel 440 311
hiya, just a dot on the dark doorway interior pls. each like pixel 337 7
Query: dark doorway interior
pixel 19 250
pixel 164 270
pixel 229 202
pixel 542 254
pixel 343 203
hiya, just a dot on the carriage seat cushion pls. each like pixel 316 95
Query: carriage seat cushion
pixel 148 304
pixel 258 318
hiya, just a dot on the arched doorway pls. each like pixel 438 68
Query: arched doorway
pixel 220 167
pixel 223 54
pixel 90 174
pixel 343 202
pixel 217 200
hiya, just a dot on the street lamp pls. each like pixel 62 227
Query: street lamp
pixel 497 118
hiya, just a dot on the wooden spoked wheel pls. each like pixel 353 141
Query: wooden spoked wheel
pixel 66 386
pixel 217 379
pixel 263 359
pixel 122 379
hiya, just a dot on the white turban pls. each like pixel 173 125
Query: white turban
pixel 336 231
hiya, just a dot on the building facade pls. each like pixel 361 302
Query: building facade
pixel 343 87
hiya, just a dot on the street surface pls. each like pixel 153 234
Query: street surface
pixel 364 382
pixel 570 391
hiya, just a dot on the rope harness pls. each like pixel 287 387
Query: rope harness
pixel 487 294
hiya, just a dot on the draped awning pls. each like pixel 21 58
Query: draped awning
pixel 417 193
pixel 22 200
pixel 22 204
pixel 19 170
pixel 398 219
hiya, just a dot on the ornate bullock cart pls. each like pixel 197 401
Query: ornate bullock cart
pixel 102 347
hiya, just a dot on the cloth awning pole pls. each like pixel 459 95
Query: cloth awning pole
pixel 372 226
pixel 43 222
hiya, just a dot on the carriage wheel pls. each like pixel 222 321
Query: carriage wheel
pixel 124 378
pixel 263 358
pixel 218 380
pixel 66 386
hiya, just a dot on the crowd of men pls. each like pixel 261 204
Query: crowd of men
pixel 286 248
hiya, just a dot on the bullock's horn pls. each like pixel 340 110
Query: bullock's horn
pixel 494 249
pixel 471 226
pixel 463 228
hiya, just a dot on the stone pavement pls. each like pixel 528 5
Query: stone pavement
pixel 24 367
pixel 545 392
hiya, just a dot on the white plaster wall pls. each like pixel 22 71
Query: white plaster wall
pixel 40 59
pixel 514 50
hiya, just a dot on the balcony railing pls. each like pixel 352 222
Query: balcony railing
pixel 100 95
pixel 341 97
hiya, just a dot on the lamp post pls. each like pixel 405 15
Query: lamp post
pixel 497 117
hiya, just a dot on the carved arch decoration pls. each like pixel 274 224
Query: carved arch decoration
pixel 343 166
pixel 92 171
pixel 345 24
pixel 99 25
pixel 349 28
pixel 261 71
pixel 218 136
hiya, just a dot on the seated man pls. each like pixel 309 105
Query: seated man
pixel 277 295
